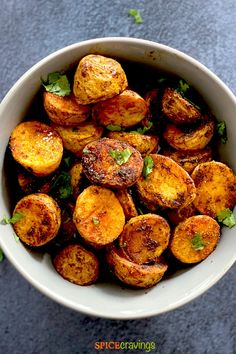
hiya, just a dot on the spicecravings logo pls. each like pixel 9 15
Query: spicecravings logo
pixel 128 345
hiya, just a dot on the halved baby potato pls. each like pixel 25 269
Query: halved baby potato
pixel 98 215
pixel 195 239
pixel 37 147
pixel 65 110
pixel 127 203
pixel 98 78
pixel 145 237
pixel 125 110
pixel 41 219
pixel 111 163
pixel 76 264
pixel 76 173
pixel 175 216
pixel 215 188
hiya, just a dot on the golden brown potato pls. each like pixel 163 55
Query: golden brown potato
pixel 145 144
pixel 75 138
pixel 145 237
pixel 189 159
pixel 65 110
pixel 195 238
pixel 215 188
pixel 76 173
pixel 167 185
pixel 37 147
pixel 76 264
pixel 178 109
pixel 125 110
pixel 98 215
pixel 111 163
pixel 135 275
pixel 196 139
pixel 127 203
pixel 176 216
pixel 98 78
pixel 41 219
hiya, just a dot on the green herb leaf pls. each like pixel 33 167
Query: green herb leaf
pixel 136 15
pixel 140 211
pixel 1 255
pixel 183 87
pixel 197 242
pixel 143 130
pixel 62 185
pixel 147 166
pixel 114 128
pixel 16 237
pixel 120 157
pixel 16 217
pixel 95 220
pixel 57 83
pixel 227 218
pixel 68 161
pixel 222 132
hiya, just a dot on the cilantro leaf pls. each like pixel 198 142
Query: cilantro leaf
pixel 114 128
pixel 140 211
pixel 57 83
pixel 1 255
pixel 16 237
pixel 197 242
pixel 62 185
pixel 147 166
pixel 222 132
pixel 136 15
pixel 95 220
pixel 143 130
pixel 16 217
pixel 120 157
pixel 227 218
pixel 68 161
pixel 183 87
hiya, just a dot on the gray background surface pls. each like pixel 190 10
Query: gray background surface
pixel 30 30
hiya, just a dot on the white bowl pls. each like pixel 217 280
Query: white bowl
pixel 106 300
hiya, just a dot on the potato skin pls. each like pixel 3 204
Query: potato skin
pixel 98 215
pixel 41 221
pixel 145 237
pixel 101 168
pixel 145 144
pixel 65 110
pixel 76 138
pixel 215 188
pixel 181 241
pixel 98 78
pixel 167 186
pixel 126 110
pixel 76 173
pixel 127 203
pixel 37 147
pixel 77 265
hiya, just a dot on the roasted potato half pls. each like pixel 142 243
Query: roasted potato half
pixel 112 163
pixel 135 275
pixel 195 239
pixel 175 216
pixel 41 219
pixel 76 138
pixel 215 188
pixel 98 215
pixel 153 99
pixel 65 110
pixel 98 78
pixel 125 110
pixel 76 173
pixel 127 203
pixel 145 237
pixel 37 147
pixel 145 144
pixel 167 185
pixel 76 264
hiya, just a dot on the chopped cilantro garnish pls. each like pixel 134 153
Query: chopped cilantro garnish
pixel 222 132
pixel 57 83
pixel 67 161
pixel 95 220
pixel 136 15
pixel 183 87
pixel 143 130
pixel 1 255
pixel 62 184
pixel 114 128
pixel 16 237
pixel 120 157
pixel 140 211
pixel 227 218
pixel 197 242
pixel 147 166
pixel 16 217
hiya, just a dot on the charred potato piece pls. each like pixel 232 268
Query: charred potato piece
pixel 98 78
pixel 177 108
pixel 76 138
pixel 76 264
pixel 127 203
pixel 112 163
pixel 135 275
pixel 215 188
pixel 167 185
pixel 152 98
pixel 41 219
pixel 37 147
pixel 125 110
pixel 145 237
pixel 195 239
pixel 98 215
pixel 26 182
pixel 176 216
pixel 65 110
pixel 76 177
pixel 145 144
pixel 196 139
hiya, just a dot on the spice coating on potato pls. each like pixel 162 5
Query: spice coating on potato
pixel 145 237
pixel 127 203
pixel 41 219
pixel 195 239
pixel 98 215
pixel 175 216
pixel 37 147
pixel 168 185
pixel 76 264
pixel 125 110
pixel 112 163
pixel 65 110
pixel 76 138
pixel 98 78
pixel 76 178
pixel 215 188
